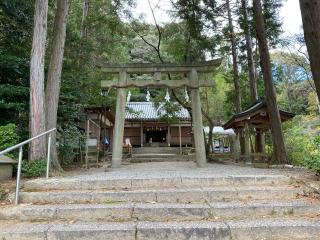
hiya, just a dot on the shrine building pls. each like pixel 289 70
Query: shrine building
pixel 143 126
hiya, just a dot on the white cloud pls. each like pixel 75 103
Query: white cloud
pixel 290 13
pixel 291 16
pixel 160 10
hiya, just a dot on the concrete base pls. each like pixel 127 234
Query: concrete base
pixel 6 166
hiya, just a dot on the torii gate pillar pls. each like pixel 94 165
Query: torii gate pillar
pixel 197 120
pixel 118 129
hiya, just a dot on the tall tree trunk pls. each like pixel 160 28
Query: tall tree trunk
pixel 37 148
pixel 251 68
pixel 54 73
pixel 234 60
pixel 85 9
pixel 235 73
pixel 210 139
pixel 275 121
pixel 310 12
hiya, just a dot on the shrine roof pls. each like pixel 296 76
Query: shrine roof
pixel 256 114
pixel 147 111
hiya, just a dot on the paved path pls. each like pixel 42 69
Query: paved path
pixel 178 169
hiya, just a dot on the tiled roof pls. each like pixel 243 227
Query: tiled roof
pixel 147 111
pixel 252 110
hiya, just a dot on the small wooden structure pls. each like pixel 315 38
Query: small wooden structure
pixel 98 122
pixel 254 119
pixel 188 78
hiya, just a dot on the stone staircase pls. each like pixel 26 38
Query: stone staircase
pixel 158 154
pixel 140 204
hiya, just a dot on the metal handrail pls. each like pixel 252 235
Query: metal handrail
pixel 20 145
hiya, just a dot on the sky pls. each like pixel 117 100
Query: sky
pixel 290 14
pixel 291 17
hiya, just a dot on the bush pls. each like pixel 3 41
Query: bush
pixel 70 139
pixel 8 136
pixel 314 162
pixel 303 143
pixel 35 168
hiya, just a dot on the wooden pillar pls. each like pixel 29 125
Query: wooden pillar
pixel 141 134
pixel 263 142
pixel 260 138
pixel 118 129
pixel 180 140
pixel 169 136
pixel 236 145
pixel 246 143
pixel 197 120
pixel 87 146
pixel 99 139
pixel 257 141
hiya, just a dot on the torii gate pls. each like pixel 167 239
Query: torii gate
pixel 123 81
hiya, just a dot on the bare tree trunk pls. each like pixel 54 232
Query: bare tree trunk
pixel 251 68
pixel 85 9
pixel 210 139
pixel 275 121
pixel 310 12
pixel 54 73
pixel 235 72
pixel 37 148
pixel 234 60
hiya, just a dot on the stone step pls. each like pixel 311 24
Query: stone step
pixel 155 155
pixel 158 211
pixel 267 229
pixel 187 195
pixel 140 182
pixel 156 150
pixel 156 159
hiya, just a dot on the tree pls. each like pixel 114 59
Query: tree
pixel 250 61
pixel 15 46
pixel 37 98
pixel 85 9
pixel 273 112
pixel 234 60
pixel 54 72
pixel 310 12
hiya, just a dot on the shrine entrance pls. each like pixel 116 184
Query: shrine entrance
pixel 156 136
pixel 186 75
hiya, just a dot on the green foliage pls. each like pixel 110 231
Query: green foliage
pixel 70 139
pixel 314 162
pixel 15 46
pixel 167 111
pixel 8 136
pixel 35 168
pixel 215 102
pixel 302 142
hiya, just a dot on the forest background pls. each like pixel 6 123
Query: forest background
pixel 110 32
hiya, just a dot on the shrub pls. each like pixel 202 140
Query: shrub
pixel 35 168
pixel 8 136
pixel 303 143
pixel 70 139
pixel 314 162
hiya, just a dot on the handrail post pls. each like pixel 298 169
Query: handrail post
pixel 16 200
pixel 48 156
